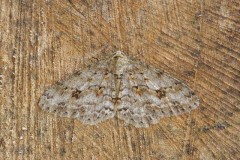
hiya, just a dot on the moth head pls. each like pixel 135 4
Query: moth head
pixel 119 54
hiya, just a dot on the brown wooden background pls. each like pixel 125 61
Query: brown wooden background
pixel 43 41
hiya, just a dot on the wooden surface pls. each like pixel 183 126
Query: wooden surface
pixel 45 41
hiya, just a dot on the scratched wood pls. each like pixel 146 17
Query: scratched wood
pixel 45 41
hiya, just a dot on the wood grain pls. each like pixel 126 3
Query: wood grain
pixel 44 41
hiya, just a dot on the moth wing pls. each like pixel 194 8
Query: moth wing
pixel 86 96
pixel 148 95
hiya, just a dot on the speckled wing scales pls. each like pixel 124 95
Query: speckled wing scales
pixel 148 95
pixel 86 96
pixel 136 93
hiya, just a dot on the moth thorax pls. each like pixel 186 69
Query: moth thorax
pixel 121 65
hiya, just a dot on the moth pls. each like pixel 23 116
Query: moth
pixel 120 86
